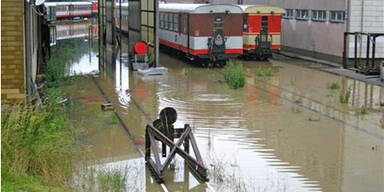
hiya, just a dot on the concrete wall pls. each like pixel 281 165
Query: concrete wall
pixel 12 51
pixel 367 16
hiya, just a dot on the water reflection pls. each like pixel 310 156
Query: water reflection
pixel 75 30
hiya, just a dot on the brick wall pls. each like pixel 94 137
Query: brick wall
pixel 12 52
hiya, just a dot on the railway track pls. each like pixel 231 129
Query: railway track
pixel 126 128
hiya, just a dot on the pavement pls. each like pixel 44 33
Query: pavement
pixel 336 69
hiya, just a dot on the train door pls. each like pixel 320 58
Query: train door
pixel 263 45
pixel 217 42
pixel 187 31
pixel 71 10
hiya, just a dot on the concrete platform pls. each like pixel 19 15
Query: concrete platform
pixel 336 69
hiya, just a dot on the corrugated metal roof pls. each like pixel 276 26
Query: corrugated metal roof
pixel 260 9
pixel 199 8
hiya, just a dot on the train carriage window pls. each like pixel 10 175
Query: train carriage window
pixel 161 20
pixel 170 25
pixel 176 22
pixel 245 22
pixel 185 23
pixel 219 23
pixel 165 20
pixel 173 22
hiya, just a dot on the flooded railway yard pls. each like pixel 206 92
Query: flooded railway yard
pixel 291 128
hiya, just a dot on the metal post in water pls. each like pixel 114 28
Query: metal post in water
pixel 373 52
pixel 368 49
pixel 156 15
pixel 355 50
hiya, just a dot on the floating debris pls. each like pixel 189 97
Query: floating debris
pixel 153 71
pixel 63 101
pixel 107 106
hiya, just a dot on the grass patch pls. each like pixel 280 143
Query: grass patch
pixel 344 98
pixel 187 72
pixel 264 72
pixel 36 148
pixel 234 75
pixel 111 180
pixel 313 119
pixel 114 119
pixel 334 86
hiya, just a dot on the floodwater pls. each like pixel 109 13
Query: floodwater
pixel 286 132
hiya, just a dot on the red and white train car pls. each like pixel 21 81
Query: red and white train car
pixel 65 10
pixel 261 30
pixel 209 33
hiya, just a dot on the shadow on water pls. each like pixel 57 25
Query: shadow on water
pixel 291 128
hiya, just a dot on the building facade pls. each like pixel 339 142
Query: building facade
pixel 316 28
pixel 22 48
pixel 12 50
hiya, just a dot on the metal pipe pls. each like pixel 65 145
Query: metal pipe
pixel 373 52
pixel 156 15
pixel 367 56
pixel 355 51
pixel 345 51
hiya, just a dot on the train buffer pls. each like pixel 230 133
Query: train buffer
pixel 162 131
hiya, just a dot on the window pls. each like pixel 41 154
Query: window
pixel 175 22
pixel 302 14
pixel 288 14
pixel 161 20
pixel 169 19
pixel 185 23
pixel 337 16
pixel 318 15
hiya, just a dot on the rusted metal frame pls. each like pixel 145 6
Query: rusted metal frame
pixel 345 51
pixel 196 149
pixel 155 169
pixel 355 65
pixel 152 166
pixel 173 151
pixel 196 166
pixel 154 148
pixel 366 69
pixel 186 141
pixel 373 52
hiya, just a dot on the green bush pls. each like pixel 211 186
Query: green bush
pixel 36 147
pixel 63 55
pixel 234 75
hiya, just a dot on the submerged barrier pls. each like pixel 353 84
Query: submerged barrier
pixel 163 130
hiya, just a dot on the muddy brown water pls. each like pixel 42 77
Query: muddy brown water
pixel 284 132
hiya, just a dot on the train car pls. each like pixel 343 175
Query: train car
pixel 261 30
pixel 95 8
pixel 208 33
pixel 69 10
